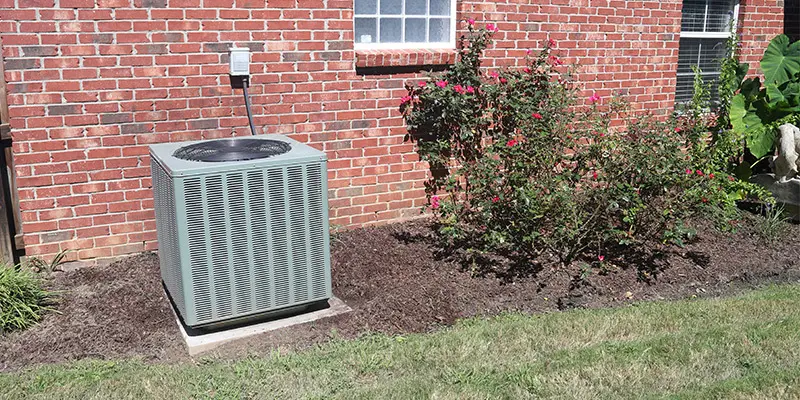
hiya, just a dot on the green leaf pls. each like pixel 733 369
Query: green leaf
pixel 792 93
pixel 743 171
pixel 741 72
pixel 775 97
pixel 760 141
pixel 738 111
pixel 781 60
pixel 750 88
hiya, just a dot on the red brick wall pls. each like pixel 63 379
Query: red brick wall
pixel 93 82
pixel 760 21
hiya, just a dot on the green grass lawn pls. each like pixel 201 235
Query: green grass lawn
pixel 743 347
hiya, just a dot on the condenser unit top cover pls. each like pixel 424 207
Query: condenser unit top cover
pixel 165 153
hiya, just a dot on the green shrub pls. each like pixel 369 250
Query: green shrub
pixel 22 298
pixel 529 168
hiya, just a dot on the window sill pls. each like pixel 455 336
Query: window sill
pixel 404 58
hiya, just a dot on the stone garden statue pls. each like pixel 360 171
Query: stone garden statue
pixel 787 156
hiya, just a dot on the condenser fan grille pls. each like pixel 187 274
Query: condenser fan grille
pixel 232 150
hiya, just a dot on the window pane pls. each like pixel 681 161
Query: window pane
pixel 707 15
pixel 365 30
pixel 685 89
pixel 720 15
pixel 711 53
pixel 391 7
pixel 694 15
pixel 390 30
pixel 688 55
pixel 366 6
pixel 439 31
pixel 416 7
pixel 415 30
pixel 705 53
pixel 440 7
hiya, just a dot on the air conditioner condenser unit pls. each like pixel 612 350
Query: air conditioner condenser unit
pixel 242 226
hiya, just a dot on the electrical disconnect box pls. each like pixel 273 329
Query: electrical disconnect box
pixel 240 61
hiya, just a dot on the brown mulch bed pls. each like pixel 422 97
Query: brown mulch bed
pixel 396 282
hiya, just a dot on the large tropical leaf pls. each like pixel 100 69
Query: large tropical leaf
pixel 775 97
pixel 737 113
pixel 750 88
pixel 760 141
pixel 741 72
pixel 781 60
pixel 792 93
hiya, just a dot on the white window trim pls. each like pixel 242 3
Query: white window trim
pixel 711 35
pixel 451 44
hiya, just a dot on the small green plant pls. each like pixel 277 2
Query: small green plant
pixel 37 264
pixel 773 226
pixel 23 300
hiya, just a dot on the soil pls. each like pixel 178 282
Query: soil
pixel 397 282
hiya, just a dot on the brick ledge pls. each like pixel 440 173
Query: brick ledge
pixel 404 58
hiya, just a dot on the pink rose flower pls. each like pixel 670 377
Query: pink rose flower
pixel 422 83
pixel 441 84
pixel 434 202
pixel 470 89
pixel 405 99
pixel 594 99
pixel 601 258
pixel 492 27
pixel 512 143
pixel 494 74
pixel 551 42
pixel 495 199
pixel 459 89
pixel 503 80
pixel 537 115
pixel 471 21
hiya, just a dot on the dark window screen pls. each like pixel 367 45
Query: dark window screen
pixel 792 19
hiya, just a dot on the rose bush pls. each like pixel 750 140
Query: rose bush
pixel 521 165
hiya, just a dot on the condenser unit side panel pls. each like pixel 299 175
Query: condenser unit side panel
pixel 187 311
pixel 318 234
pixel 325 232
pixel 251 241
pixel 168 230
pixel 198 269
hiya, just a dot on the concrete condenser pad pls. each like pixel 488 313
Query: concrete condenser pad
pixel 200 341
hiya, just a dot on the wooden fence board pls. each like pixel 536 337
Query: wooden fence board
pixel 6 247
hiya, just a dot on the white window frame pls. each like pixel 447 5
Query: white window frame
pixel 451 44
pixel 708 35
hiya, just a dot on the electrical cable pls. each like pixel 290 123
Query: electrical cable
pixel 245 84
